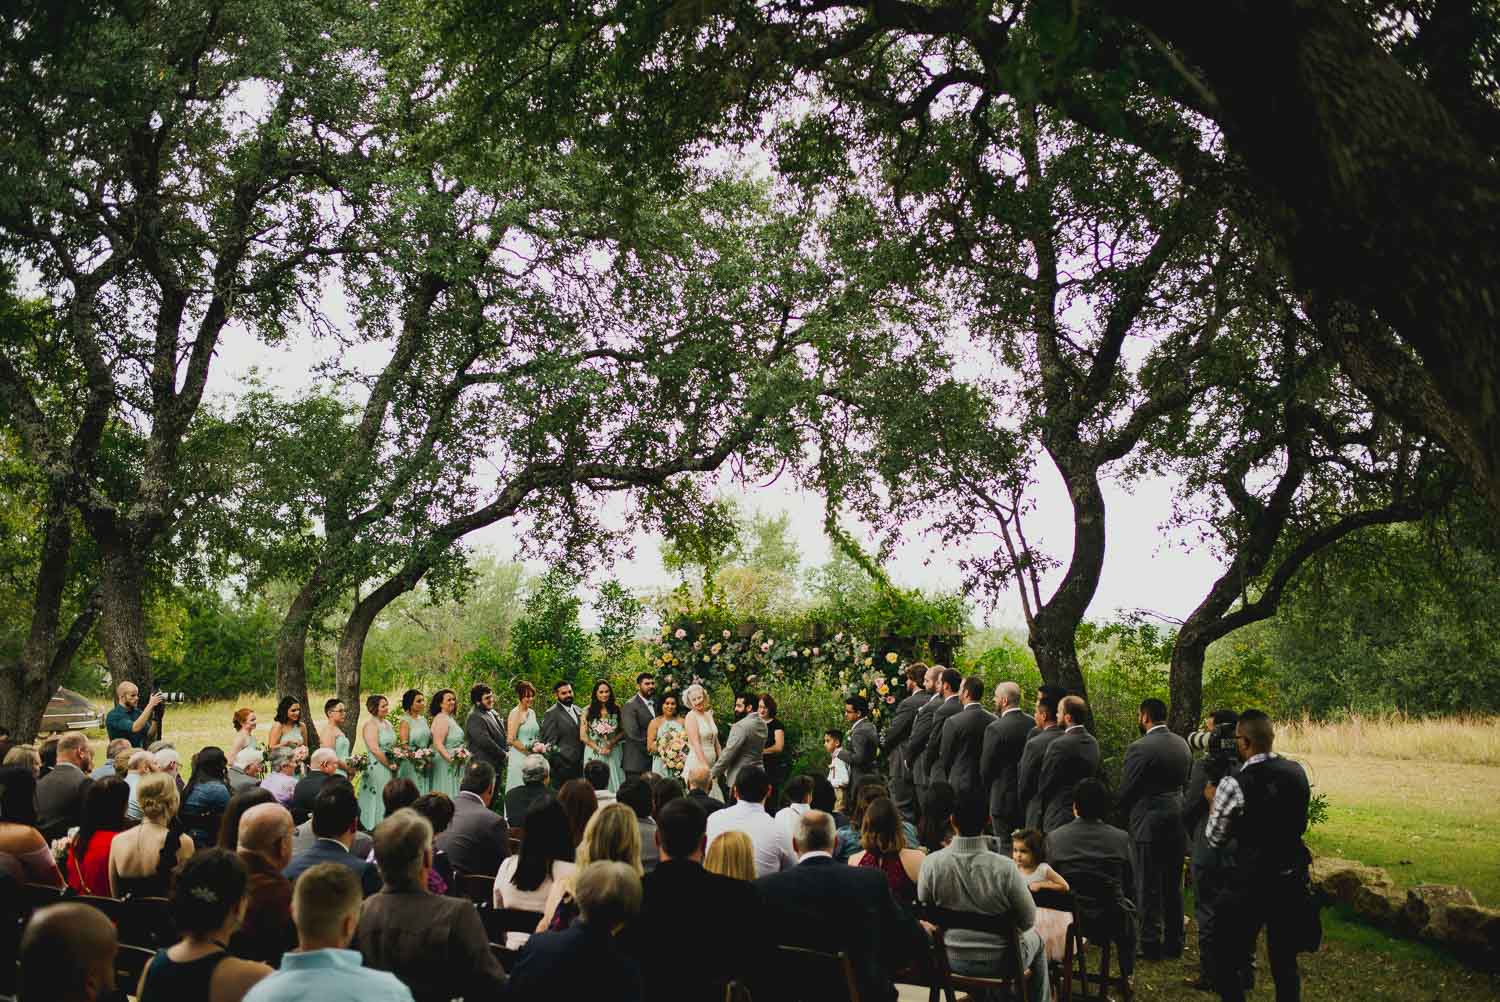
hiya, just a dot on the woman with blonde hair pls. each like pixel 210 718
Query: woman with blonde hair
pixel 732 855
pixel 142 860
pixel 702 732
pixel 611 834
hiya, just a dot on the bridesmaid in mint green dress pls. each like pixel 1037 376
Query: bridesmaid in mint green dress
pixel 522 733
pixel 380 738
pixel 601 733
pixel 447 738
pixel 415 734
pixel 331 733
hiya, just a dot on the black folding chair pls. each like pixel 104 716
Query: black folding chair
pixel 498 922
pixel 114 909
pixel 805 975
pixel 1003 926
pixel 1097 919
pixel 1062 974
pixel 477 887
pixel 147 923
pixel 130 961
pixel 40 896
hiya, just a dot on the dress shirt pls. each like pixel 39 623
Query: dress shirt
pixel 104 771
pixel 281 786
pixel 771 841
pixel 790 815
pixel 1229 800
pixel 328 976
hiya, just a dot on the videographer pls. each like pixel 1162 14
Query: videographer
pixel 129 720
pixel 1211 865
pixel 1263 811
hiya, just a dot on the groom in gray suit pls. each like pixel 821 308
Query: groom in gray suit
pixel 637 716
pixel 746 746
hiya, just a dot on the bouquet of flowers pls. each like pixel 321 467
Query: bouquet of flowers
pixel 461 755
pixel 602 729
pixel 399 753
pixel 673 750
pixel 358 763
pixel 421 759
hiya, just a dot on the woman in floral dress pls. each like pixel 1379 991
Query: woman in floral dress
pixel 447 738
pixel 380 739
pixel 415 735
pixel 666 739
pixel 601 733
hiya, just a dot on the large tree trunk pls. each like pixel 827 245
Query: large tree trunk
pixel 291 656
pixel 351 652
pixel 122 626
pixel 1053 635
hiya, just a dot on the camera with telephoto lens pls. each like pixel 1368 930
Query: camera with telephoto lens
pixel 1219 744
pixel 172 697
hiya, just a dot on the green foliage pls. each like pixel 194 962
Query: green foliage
pixel 620 616
pixel 223 647
pixel 547 644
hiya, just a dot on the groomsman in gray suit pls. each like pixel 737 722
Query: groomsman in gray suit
pixel 1000 759
pixel 861 743
pixel 920 683
pixel 962 740
pixel 560 733
pixel 948 687
pixel 483 730
pixel 746 746
pixel 1156 770
pixel 1029 772
pixel 1070 759
pixel 638 714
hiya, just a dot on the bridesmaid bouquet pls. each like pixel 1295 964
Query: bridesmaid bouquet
pixel 359 763
pixel 673 750
pixel 421 758
pixel 400 753
pixel 460 754
pixel 601 729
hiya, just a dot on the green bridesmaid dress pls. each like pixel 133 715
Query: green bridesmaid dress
pixel 419 735
pixel 445 777
pixel 372 784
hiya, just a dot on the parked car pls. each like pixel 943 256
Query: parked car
pixel 69 711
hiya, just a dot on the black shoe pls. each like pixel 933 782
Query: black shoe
pixel 1151 952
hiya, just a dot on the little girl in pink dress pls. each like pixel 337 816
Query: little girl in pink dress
pixel 1051 924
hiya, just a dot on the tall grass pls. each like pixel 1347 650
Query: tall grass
pixel 1465 740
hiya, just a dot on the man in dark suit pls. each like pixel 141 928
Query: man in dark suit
pixel 635 717
pixel 1156 769
pixel 1071 758
pixel 861 744
pixel 932 762
pixel 477 839
pixel 483 730
pixel 920 680
pixel 532 791
pixel 1000 758
pixel 335 820
pixel 1029 772
pixel 560 732
pixel 59 794
pixel 962 740
pixel 703 955
pixel 321 767
pixel 1090 848
pixel 921 732
pixel 588 958
pixel 825 905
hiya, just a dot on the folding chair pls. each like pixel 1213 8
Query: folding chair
pixel 1003 926
pixel 500 921
pixel 147 923
pixel 814 976
pixel 1061 973
pixel 1096 916
pixel 130 961
pixel 477 887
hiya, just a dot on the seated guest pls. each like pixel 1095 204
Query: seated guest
pixel 303 839
pixel 731 855
pixel 534 776
pixel 229 824
pixel 143 860
pixel 122 762
pixel 598 778
pixel 265 847
pixel 798 793
pixel 477 840
pixel 334 821
pixel 698 786
pixel 244 771
pixel 206 900
pixel 611 834
pixel 398 793
pixel 206 796
pixel 436 945
pixel 667 790
pixel 1090 851
pixel 824 905
pixel 282 779
pixel 324 763
pixel 969 876
pixel 636 794
pixel 164 758
pixel 824 798
pixel 773 844
pixel 68 955
pixel 326 908
pixel 25 756
pixel 111 751
pixel 141 764
pixel 87 869
pixel 935 827
pixel 884 847
pixel 704 955
pixel 23 850
pixel 59 794
pixel 575 962
pixel 438 810
pixel 526 879
pixel 849 835
pixel 579 803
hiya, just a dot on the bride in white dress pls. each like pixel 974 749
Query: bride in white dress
pixel 702 732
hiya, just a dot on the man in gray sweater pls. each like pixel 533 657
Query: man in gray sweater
pixel 969 876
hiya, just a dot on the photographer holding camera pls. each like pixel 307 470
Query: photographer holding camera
pixel 1211 865
pixel 129 720
pixel 1263 811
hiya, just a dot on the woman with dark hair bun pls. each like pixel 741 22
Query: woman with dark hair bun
pixel 380 739
pixel 936 823
pixel 415 735
pixel 207 905
pixel 447 739
pixel 288 730
pixel 87 870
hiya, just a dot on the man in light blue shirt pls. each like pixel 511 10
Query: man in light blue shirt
pixel 325 905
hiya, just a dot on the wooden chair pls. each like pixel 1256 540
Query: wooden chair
pixel 506 957
pixel 1094 920
pixel 114 909
pixel 1003 926
pixel 515 841
pixel 40 896
pixel 148 923
pixel 1062 974
pixel 130 961
pixel 500 921
pixel 477 887
pixel 805 975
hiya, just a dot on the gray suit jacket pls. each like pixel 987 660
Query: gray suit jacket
pixel 485 736
pixel 59 799
pixel 746 746
pixel 477 839
pixel 1029 774
pixel 860 747
pixel 635 718
pixel 921 733
pixel 1157 767
pixel 962 740
pixel 560 730
pixel 931 755
pixel 1000 764
pixel 899 730
pixel 1094 847
pixel 1071 758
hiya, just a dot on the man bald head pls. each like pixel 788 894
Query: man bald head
pixel 68 955
pixel 267 829
pixel 127 695
pixel 324 760
pixel 697 776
